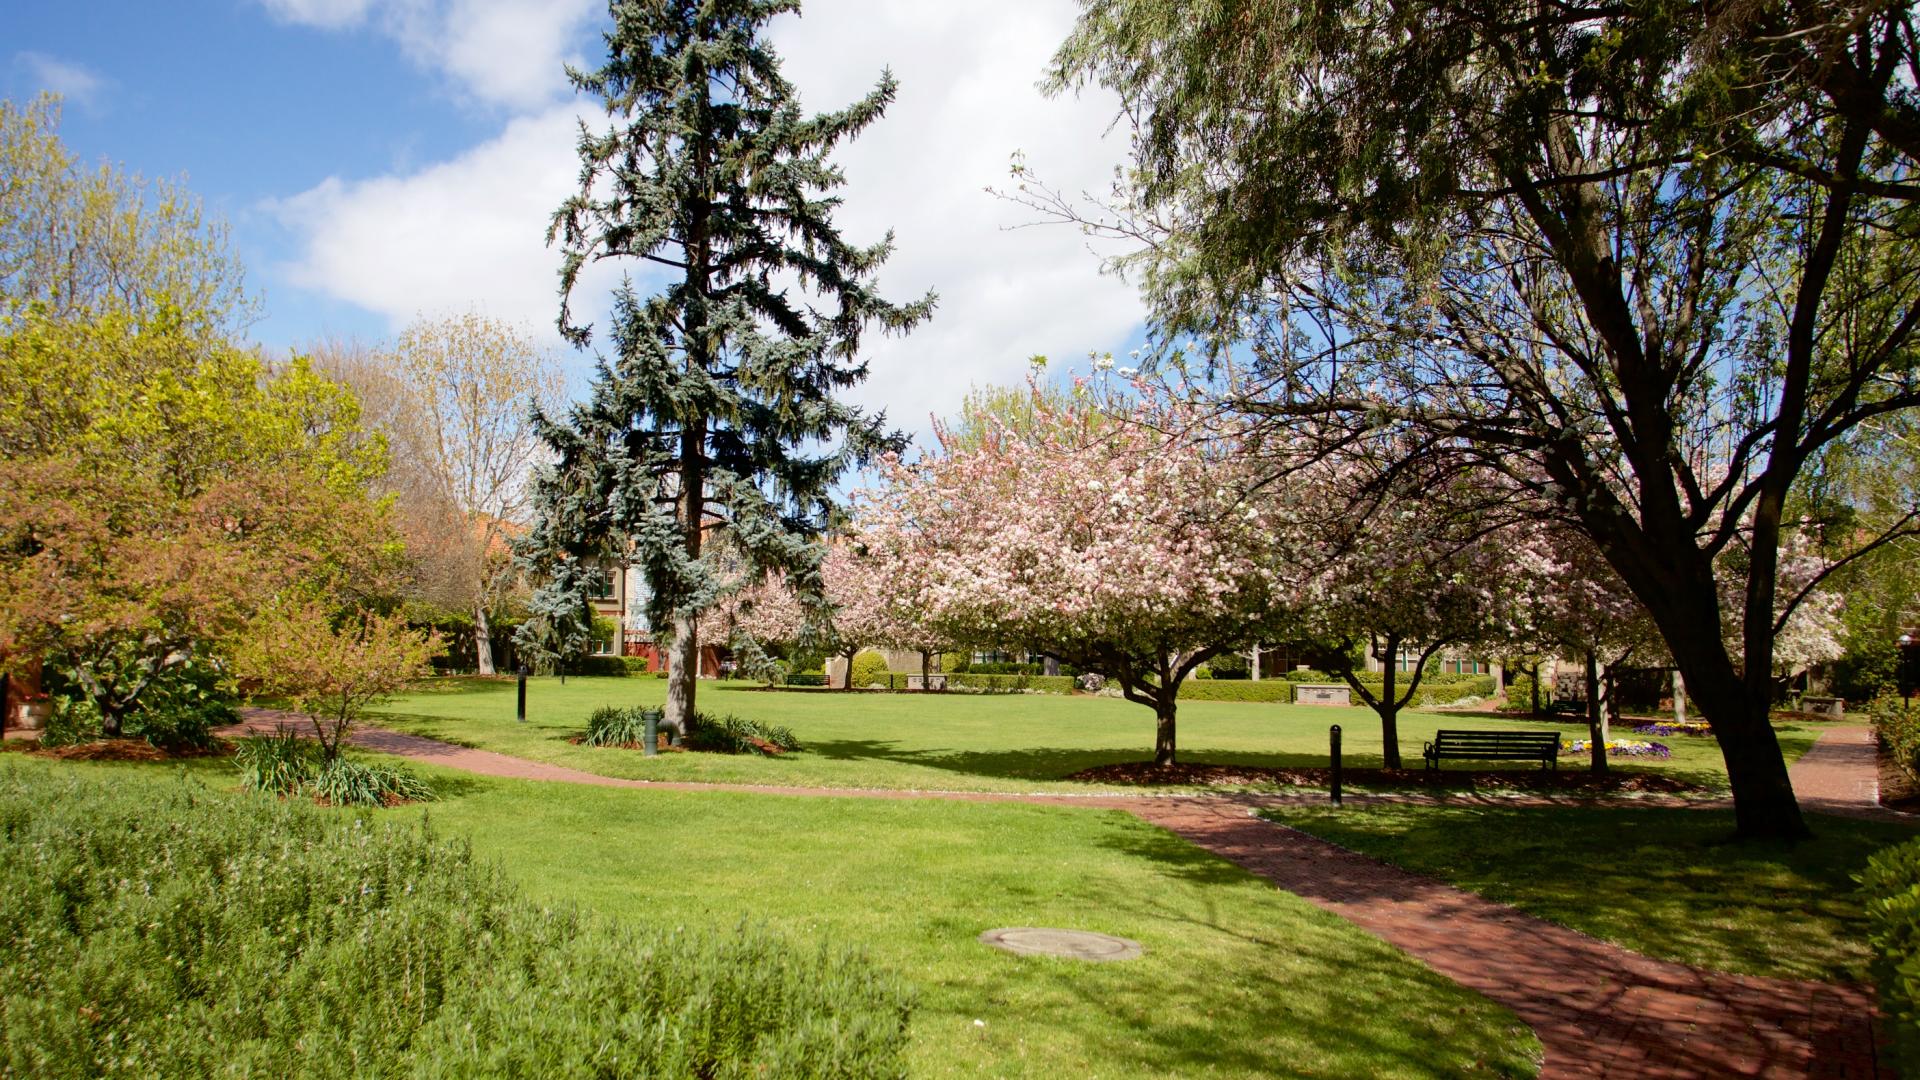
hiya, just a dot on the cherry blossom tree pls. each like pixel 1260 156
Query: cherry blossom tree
pixel 1116 533
pixel 1407 566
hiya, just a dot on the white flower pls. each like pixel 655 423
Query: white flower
pixel 1127 372
pixel 1102 363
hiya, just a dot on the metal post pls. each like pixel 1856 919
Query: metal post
pixel 1334 735
pixel 650 724
pixel 520 710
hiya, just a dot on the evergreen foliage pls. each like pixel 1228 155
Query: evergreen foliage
pixel 716 405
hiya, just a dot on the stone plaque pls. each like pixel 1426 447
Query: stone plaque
pixel 1072 944
pixel 1322 694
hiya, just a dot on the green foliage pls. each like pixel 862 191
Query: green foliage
pixel 806 678
pixel 635 665
pixel 732 735
pixel 1011 684
pixel 1892 886
pixel 1520 695
pixel 1236 690
pixel 286 765
pixel 613 726
pixel 71 720
pixel 721 385
pixel 956 663
pixel 867 664
pixel 157 930
pixel 1898 728
pixel 611 666
pixel 1309 675
pixel 1868 669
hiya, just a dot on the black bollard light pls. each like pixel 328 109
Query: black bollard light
pixel 1334 736
pixel 650 721
pixel 520 711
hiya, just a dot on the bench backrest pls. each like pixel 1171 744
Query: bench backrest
pixel 1492 743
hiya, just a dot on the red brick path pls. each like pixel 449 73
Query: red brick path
pixel 1599 1010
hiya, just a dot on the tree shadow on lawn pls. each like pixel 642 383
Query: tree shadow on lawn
pixel 1297 996
pixel 1028 763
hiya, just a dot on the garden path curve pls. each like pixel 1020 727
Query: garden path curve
pixel 1598 1009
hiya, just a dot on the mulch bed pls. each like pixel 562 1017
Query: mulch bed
pixel 1898 791
pixel 117 750
pixel 1147 774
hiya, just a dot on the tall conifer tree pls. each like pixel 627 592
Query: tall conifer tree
pixel 716 407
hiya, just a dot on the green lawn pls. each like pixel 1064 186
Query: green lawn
pixel 1664 882
pixel 1011 742
pixel 1238 980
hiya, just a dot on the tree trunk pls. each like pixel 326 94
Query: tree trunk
pixel 683 667
pixel 482 641
pixel 1388 708
pixel 926 672
pixel 1679 698
pixel 1536 690
pixel 1163 743
pixel 1596 727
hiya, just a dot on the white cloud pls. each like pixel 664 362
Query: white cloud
pixel 468 232
pixel 503 52
pixel 75 82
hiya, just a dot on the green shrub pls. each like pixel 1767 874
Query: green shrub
pixel 1011 684
pixel 1309 676
pixel 956 663
pixel 608 666
pixel 1891 885
pixel 70 721
pixel 1236 690
pixel 807 678
pixel 1899 732
pixel 285 765
pixel 867 664
pixel 636 665
pixel 612 726
pixel 158 929
pixel 1520 695
pixel 732 735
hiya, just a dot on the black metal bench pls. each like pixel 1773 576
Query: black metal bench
pixel 1541 746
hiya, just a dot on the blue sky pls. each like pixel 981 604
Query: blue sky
pixel 384 159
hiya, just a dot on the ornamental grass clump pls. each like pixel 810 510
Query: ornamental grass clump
pixel 287 765
pixel 732 735
pixel 612 726
pixel 157 928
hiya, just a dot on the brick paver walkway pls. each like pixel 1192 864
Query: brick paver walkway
pixel 1599 1010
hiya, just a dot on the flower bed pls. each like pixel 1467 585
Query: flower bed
pixel 1695 728
pixel 1620 748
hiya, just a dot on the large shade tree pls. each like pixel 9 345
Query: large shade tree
pixel 717 406
pixel 1650 261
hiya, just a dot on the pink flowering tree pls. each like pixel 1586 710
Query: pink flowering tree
pixel 1114 531
pixel 1406 566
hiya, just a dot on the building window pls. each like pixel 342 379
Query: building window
pixel 604 585
pixel 1470 667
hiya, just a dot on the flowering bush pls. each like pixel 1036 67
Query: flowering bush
pixel 1621 748
pixel 1696 728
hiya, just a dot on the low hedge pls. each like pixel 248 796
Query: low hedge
pixel 1010 684
pixel 1432 693
pixel 1891 885
pixel 1236 690
pixel 1899 732
pixel 157 929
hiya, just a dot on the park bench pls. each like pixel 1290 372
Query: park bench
pixel 1541 746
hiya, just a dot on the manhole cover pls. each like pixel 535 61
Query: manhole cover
pixel 1075 944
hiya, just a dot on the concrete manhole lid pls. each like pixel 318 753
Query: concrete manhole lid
pixel 1074 944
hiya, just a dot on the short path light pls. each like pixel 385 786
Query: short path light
pixel 1333 736
pixel 520 710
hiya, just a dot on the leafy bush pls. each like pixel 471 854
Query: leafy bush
pixel 867 664
pixel 611 726
pixel 606 666
pixel 1230 666
pixel 1444 692
pixel 1520 694
pixel 956 663
pixel 287 765
pixel 1309 676
pixel 1237 690
pixel 807 678
pixel 635 665
pixel 1899 732
pixel 157 929
pixel 70 721
pixel 1010 684
pixel 732 735
pixel 1891 884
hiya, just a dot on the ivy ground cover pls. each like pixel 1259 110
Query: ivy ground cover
pixel 964 742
